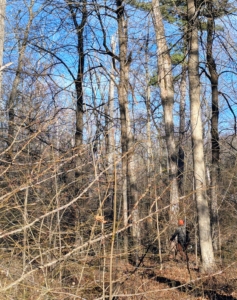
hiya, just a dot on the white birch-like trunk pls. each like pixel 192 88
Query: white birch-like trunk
pixel 183 88
pixel 148 124
pixel 165 80
pixel 130 193
pixel 207 255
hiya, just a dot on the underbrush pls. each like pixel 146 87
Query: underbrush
pixel 89 278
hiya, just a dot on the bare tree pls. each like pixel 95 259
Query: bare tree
pixel 74 8
pixel 2 34
pixel 214 122
pixel 207 255
pixel 165 80
pixel 130 192
pixel 110 126
pixel 183 88
pixel 12 100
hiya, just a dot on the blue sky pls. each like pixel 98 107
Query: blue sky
pixel 55 32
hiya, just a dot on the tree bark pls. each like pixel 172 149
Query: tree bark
pixel 2 34
pixel 207 255
pixel 79 27
pixel 148 111
pixel 12 100
pixel 122 96
pixel 181 130
pixel 110 130
pixel 165 80
pixel 214 126
pixel 130 193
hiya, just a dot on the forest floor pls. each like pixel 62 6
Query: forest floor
pixel 151 280
pixel 175 279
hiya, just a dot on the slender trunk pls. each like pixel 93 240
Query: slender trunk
pixel 214 127
pixel 79 28
pixel 12 100
pixel 130 193
pixel 165 79
pixel 148 110
pixel 183 87
pixel 150 168
pixel 111 139
pixel 113 236
pixel 148 130
pixel 2 34
pixel 110 134
pixel 207 255
pixel 122 95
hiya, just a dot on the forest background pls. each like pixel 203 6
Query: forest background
pixel 117 119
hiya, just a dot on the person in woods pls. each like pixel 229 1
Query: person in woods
pixel 180 240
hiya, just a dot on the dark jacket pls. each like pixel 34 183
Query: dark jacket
pixel 183 238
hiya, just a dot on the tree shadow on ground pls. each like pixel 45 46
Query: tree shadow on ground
pixel 191 289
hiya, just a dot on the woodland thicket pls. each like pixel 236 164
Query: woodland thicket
pixel 117 119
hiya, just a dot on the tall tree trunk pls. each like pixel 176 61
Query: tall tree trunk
pixel 110 134
pixel 207 255
pixel 130 193
pixel 165 79
pixel 183 87
pixel 2 34
pixel 12 100
pixel 148 111
pixel 122 96
pixel 150 165
pixel 79 29
pixel 214 125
